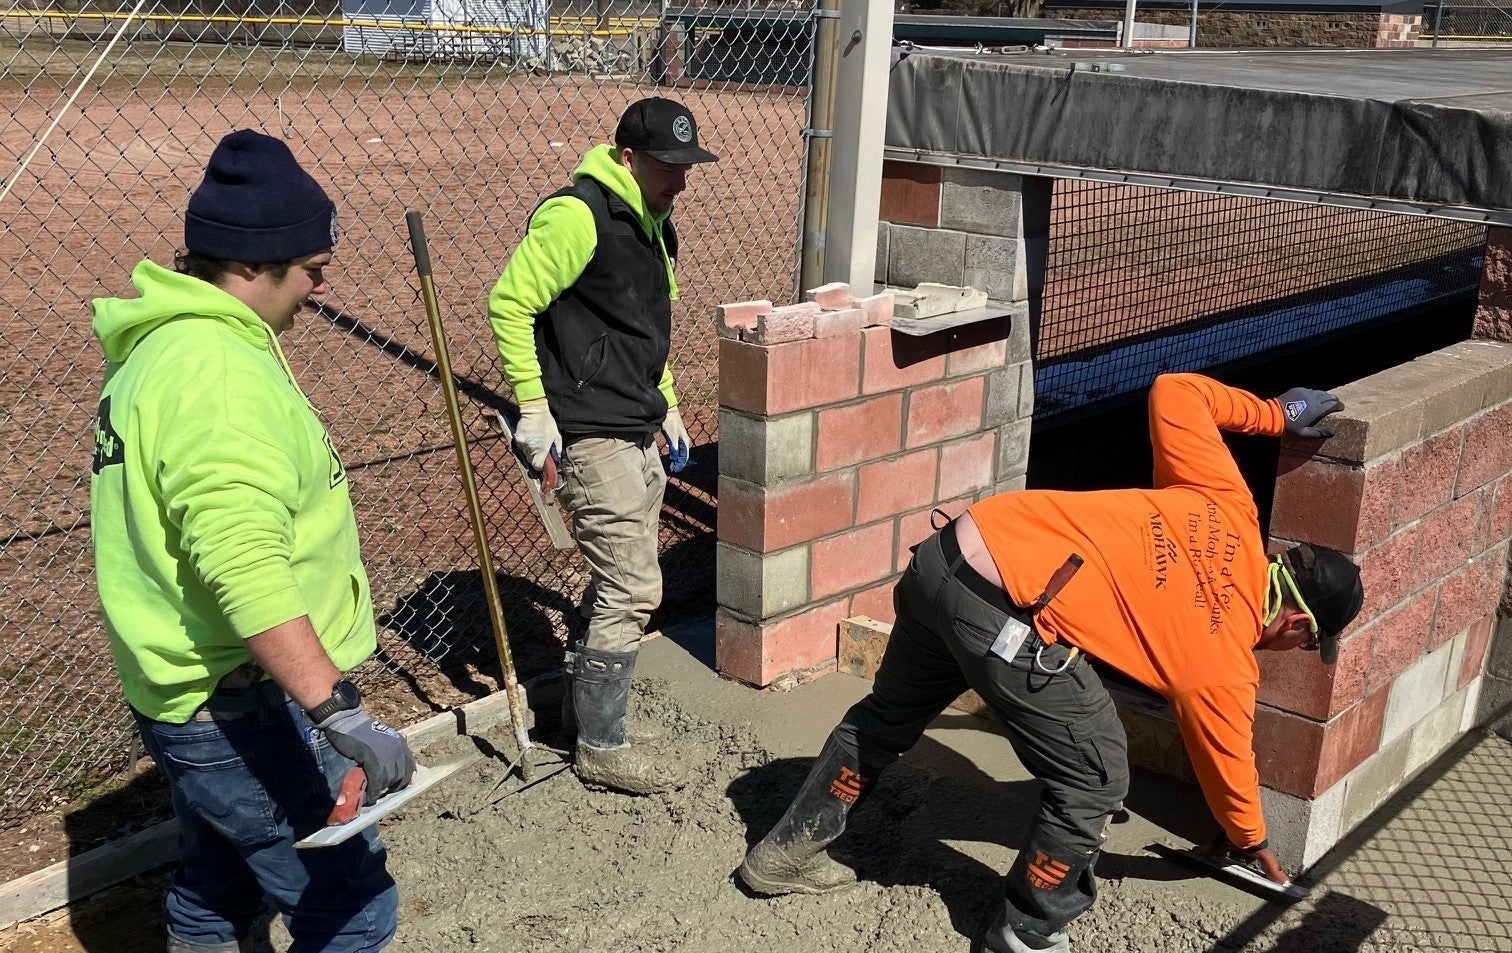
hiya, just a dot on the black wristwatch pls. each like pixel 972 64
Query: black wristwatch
pixel 344 697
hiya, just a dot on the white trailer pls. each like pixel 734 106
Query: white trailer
pixel 487 29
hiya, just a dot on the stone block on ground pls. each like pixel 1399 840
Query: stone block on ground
pixel 862 642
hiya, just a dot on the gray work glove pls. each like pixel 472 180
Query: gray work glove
pixel 1303 408
pixel 678 441
pixel 381 751
pixel 537 435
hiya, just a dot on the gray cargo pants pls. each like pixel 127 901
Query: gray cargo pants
pixel 1062 726
pixel 613 488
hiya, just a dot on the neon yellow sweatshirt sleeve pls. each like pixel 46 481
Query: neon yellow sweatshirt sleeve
pixel 666 387
pixel 558 245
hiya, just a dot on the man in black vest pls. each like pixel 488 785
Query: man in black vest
pixel 583 319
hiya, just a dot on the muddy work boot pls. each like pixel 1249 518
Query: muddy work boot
pixel 792 857
pixel 605 757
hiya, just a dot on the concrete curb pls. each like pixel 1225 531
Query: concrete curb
pixel 45 890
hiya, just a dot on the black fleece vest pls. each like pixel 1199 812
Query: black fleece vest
pixel 603 344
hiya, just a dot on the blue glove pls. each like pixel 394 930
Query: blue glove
pixel 1303 408
pixel 677 439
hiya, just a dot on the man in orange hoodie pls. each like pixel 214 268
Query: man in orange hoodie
pixel 1171 586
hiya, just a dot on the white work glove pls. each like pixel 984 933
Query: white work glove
pixel 537 435
pixel 678 441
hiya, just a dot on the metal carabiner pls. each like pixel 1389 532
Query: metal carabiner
pixel 1040 666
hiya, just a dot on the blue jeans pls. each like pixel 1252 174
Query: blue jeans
pixel 245 787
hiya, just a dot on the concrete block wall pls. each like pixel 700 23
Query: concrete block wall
pixel 1417 486
pixel 833 453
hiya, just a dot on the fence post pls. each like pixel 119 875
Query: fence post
pixel 860 123
pixel 1438 21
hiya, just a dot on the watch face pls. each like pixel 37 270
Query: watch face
pixel 348 693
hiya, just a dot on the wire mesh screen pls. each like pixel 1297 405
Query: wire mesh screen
pixel 468 112
pixel 1140 281
pixel 1478 23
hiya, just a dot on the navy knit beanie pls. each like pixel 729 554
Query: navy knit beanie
pixel 257 205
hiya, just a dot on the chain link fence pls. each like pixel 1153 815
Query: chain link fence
pixel 1477 23
pixel 1184 281
pixel 468 111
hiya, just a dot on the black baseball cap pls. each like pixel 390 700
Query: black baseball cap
pixel 662 129
pixel 1327 583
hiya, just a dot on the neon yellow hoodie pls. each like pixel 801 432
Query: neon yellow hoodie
pixel 218 503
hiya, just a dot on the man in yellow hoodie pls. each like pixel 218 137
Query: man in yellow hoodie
pixel 229 573
pixel 1170 585
pixel 582 316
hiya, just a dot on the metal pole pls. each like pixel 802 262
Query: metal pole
pixel 855 178
pixel 1192 33
pixel 821 128
pixel 1126 37
pixel 1438 21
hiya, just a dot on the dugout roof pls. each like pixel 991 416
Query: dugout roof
pixel 1424 131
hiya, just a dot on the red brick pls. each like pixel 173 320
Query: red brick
pixel 794 322
pixel 1302 757
pixel 966 466
pixel 835 296
pixel 1429 471
pixel 1401 638
pixel 944 411
pixel 1468 594
pixel 1488 449
pixel 1495 524
pixel 914 528
pixel 765 520
pixel 876 602
pixel 977 358
pixel 759 653
pixel 1444 539
pixel 828 324
pixel 1386 573
pixel 876 309
pixel 1383 481
pixel 851 559
pixel 1319 501
pixel 775 380
pixel 910 194
pixel 888 364
pixel 1300 683
pixel 855 432
pixel 890 487
pixel 1476 645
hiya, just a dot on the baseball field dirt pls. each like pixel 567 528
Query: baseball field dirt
pixel 558 867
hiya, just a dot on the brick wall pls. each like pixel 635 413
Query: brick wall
pixel 1224 28
pixel 833 452
pixel 1493 321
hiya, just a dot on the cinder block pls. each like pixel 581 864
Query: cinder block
pixel 732 319
pixel 876 602
pixel 889 487
pixel 944 411
pixel 1369 785
pixel 886 367
pixel 1376 421
pixel 1402 637
pixel 1298 682
pixel 1302 757
pixel 1459 396
pixel 1026 392
pixel 794 322
pixel 851 560
pixel 996 265
pixel 917 255
pixel 863 639
pixel 1012 452
pixel 768 519
pixel 761 585
pixel 1430 469
pixel 1318 500
pixel 759 653
pixel 835 296
pixel 1495 522
pixel 966 466
pixel 1302 830
pixel 1433 734
pixel 876 310
pixel 1493 322
pixel 1472 660
pixel 1003 396
pixel 768 381
pixel 1020 350
pixel 1488 449
pixel 1468 594
pixel 852 433
pixel 1416 692
pixel 1444 539
pixel 884 234
pixel 981 201
pixel 765 450
pixel 828 324
pixel 1386 572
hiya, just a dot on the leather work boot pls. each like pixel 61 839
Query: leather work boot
pixel 792 857
pixel 605 757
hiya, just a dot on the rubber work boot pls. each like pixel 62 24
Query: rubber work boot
pixel 605 758
pixel 792 857
pixel 1023 941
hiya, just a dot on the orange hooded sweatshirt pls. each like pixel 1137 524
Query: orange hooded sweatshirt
pixel 1173 587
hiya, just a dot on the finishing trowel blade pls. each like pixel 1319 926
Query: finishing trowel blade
pixel 423 779
pixel 1235 872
